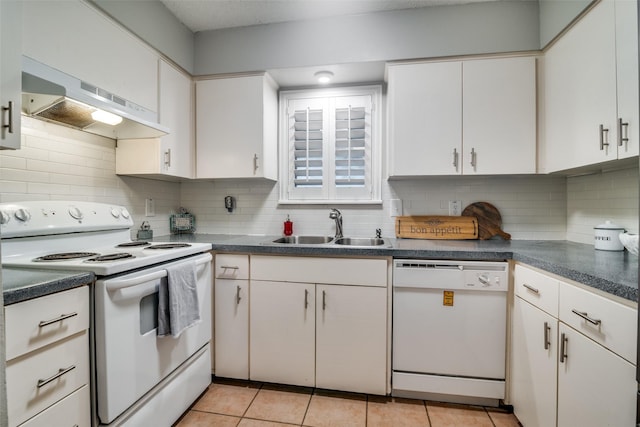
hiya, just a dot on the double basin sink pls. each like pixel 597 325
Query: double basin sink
pixel 324 240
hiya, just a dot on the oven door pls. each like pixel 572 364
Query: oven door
pixel 130 358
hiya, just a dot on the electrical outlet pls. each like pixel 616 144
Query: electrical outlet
pixel 149 207
pixel 395 208
pixel 455 207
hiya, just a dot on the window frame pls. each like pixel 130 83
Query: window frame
pixel 288 194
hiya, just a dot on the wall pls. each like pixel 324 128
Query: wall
pixel 416 33
pixel 593 199
pixel 532 207
pixel 59 163
pixel 555 15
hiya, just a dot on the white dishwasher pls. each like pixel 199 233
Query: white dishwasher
pixel 449 330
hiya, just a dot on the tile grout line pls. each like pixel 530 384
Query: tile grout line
pixel 426 408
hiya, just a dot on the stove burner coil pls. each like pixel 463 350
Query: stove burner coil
pixel 63 256
pixel 111 257
pixel 133 244
pixel 169 246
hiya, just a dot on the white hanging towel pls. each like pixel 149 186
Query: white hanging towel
pixel 178 307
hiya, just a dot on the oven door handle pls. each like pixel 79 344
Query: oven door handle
pixel 116 285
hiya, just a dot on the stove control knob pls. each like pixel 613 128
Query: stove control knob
pixel 75 213
pixel 115 212
pixel 22 215
pixel 125 213
pixel 4 217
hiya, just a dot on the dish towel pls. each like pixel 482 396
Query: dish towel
pixel 178 307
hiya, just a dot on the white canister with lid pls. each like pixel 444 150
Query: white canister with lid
pixel 606 237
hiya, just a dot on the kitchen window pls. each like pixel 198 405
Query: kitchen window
pixel 330 147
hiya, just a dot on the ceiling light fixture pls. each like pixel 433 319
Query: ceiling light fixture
pixel 106 117
pixel 324 77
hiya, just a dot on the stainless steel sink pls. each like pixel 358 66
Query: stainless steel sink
pixel 304 240
pixel 360 241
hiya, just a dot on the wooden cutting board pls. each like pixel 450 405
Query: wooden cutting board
pixel 437 227
pixel 489 220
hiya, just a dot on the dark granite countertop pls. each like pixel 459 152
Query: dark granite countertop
pixel 613 272
pixel 22 284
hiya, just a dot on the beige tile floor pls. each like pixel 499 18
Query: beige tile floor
pixel 249 404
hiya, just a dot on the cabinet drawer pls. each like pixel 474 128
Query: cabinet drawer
pixel 341 271
pixel 27 395
pixel 32 324
pixel 607 322
pixel 537 288
pixel 232 266
pixel 73 410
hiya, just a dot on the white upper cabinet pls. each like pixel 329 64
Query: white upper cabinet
pixel 172 156
pixel 73 37
pixel 499 116
pixel 462 117
pixel 237 127
pixel 10 74
pixel 424 118
pixel 590 90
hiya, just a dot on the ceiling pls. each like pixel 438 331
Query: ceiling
pixel 203 15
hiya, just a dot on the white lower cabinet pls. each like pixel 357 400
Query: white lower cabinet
pixel 312 331
pixel 282 332
pixel 231 316
pixel 596 387
pixel 571 355
pixel 47 345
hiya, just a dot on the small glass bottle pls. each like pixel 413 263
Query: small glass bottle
pixel 288 227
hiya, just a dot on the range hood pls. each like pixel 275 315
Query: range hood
pixel 54 96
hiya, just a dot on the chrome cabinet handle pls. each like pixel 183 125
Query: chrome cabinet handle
pixel 586 317
pixel 622 126
pixel 455 159
pixel 238 295
pixel 563 348
pixel 306 298
pixel 61 372
pixel 547 331
pixel 531 288
pixel 324 300
pixel 229 267
pixel 57 319
pixel 167 158
pixel 604 140
pixel 255 163
pixel 9 110
pixel 473 158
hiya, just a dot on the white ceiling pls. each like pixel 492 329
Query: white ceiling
pixel 202 15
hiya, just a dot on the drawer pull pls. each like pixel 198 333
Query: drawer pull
pixel 57 319
pixel 563 348
pixel 586 317
pixel 547 330
pixel 229 267
pixel 61 372
pixel 531 288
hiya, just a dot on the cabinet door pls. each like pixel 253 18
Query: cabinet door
pixel 627 78
pixel 425 119
pixel 10 73
pixel 580 93
pixel 282 332
pixel 236 128
pixel 499 116
pixel 595 386
pixel 351 338
pixel 231 328
pixel 534 365
pixel 176 112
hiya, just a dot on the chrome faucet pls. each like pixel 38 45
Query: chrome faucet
pixel 337 216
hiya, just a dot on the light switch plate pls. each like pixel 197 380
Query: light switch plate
pixel 395 208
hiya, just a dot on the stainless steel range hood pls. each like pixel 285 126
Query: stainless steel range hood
pixel 52 95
